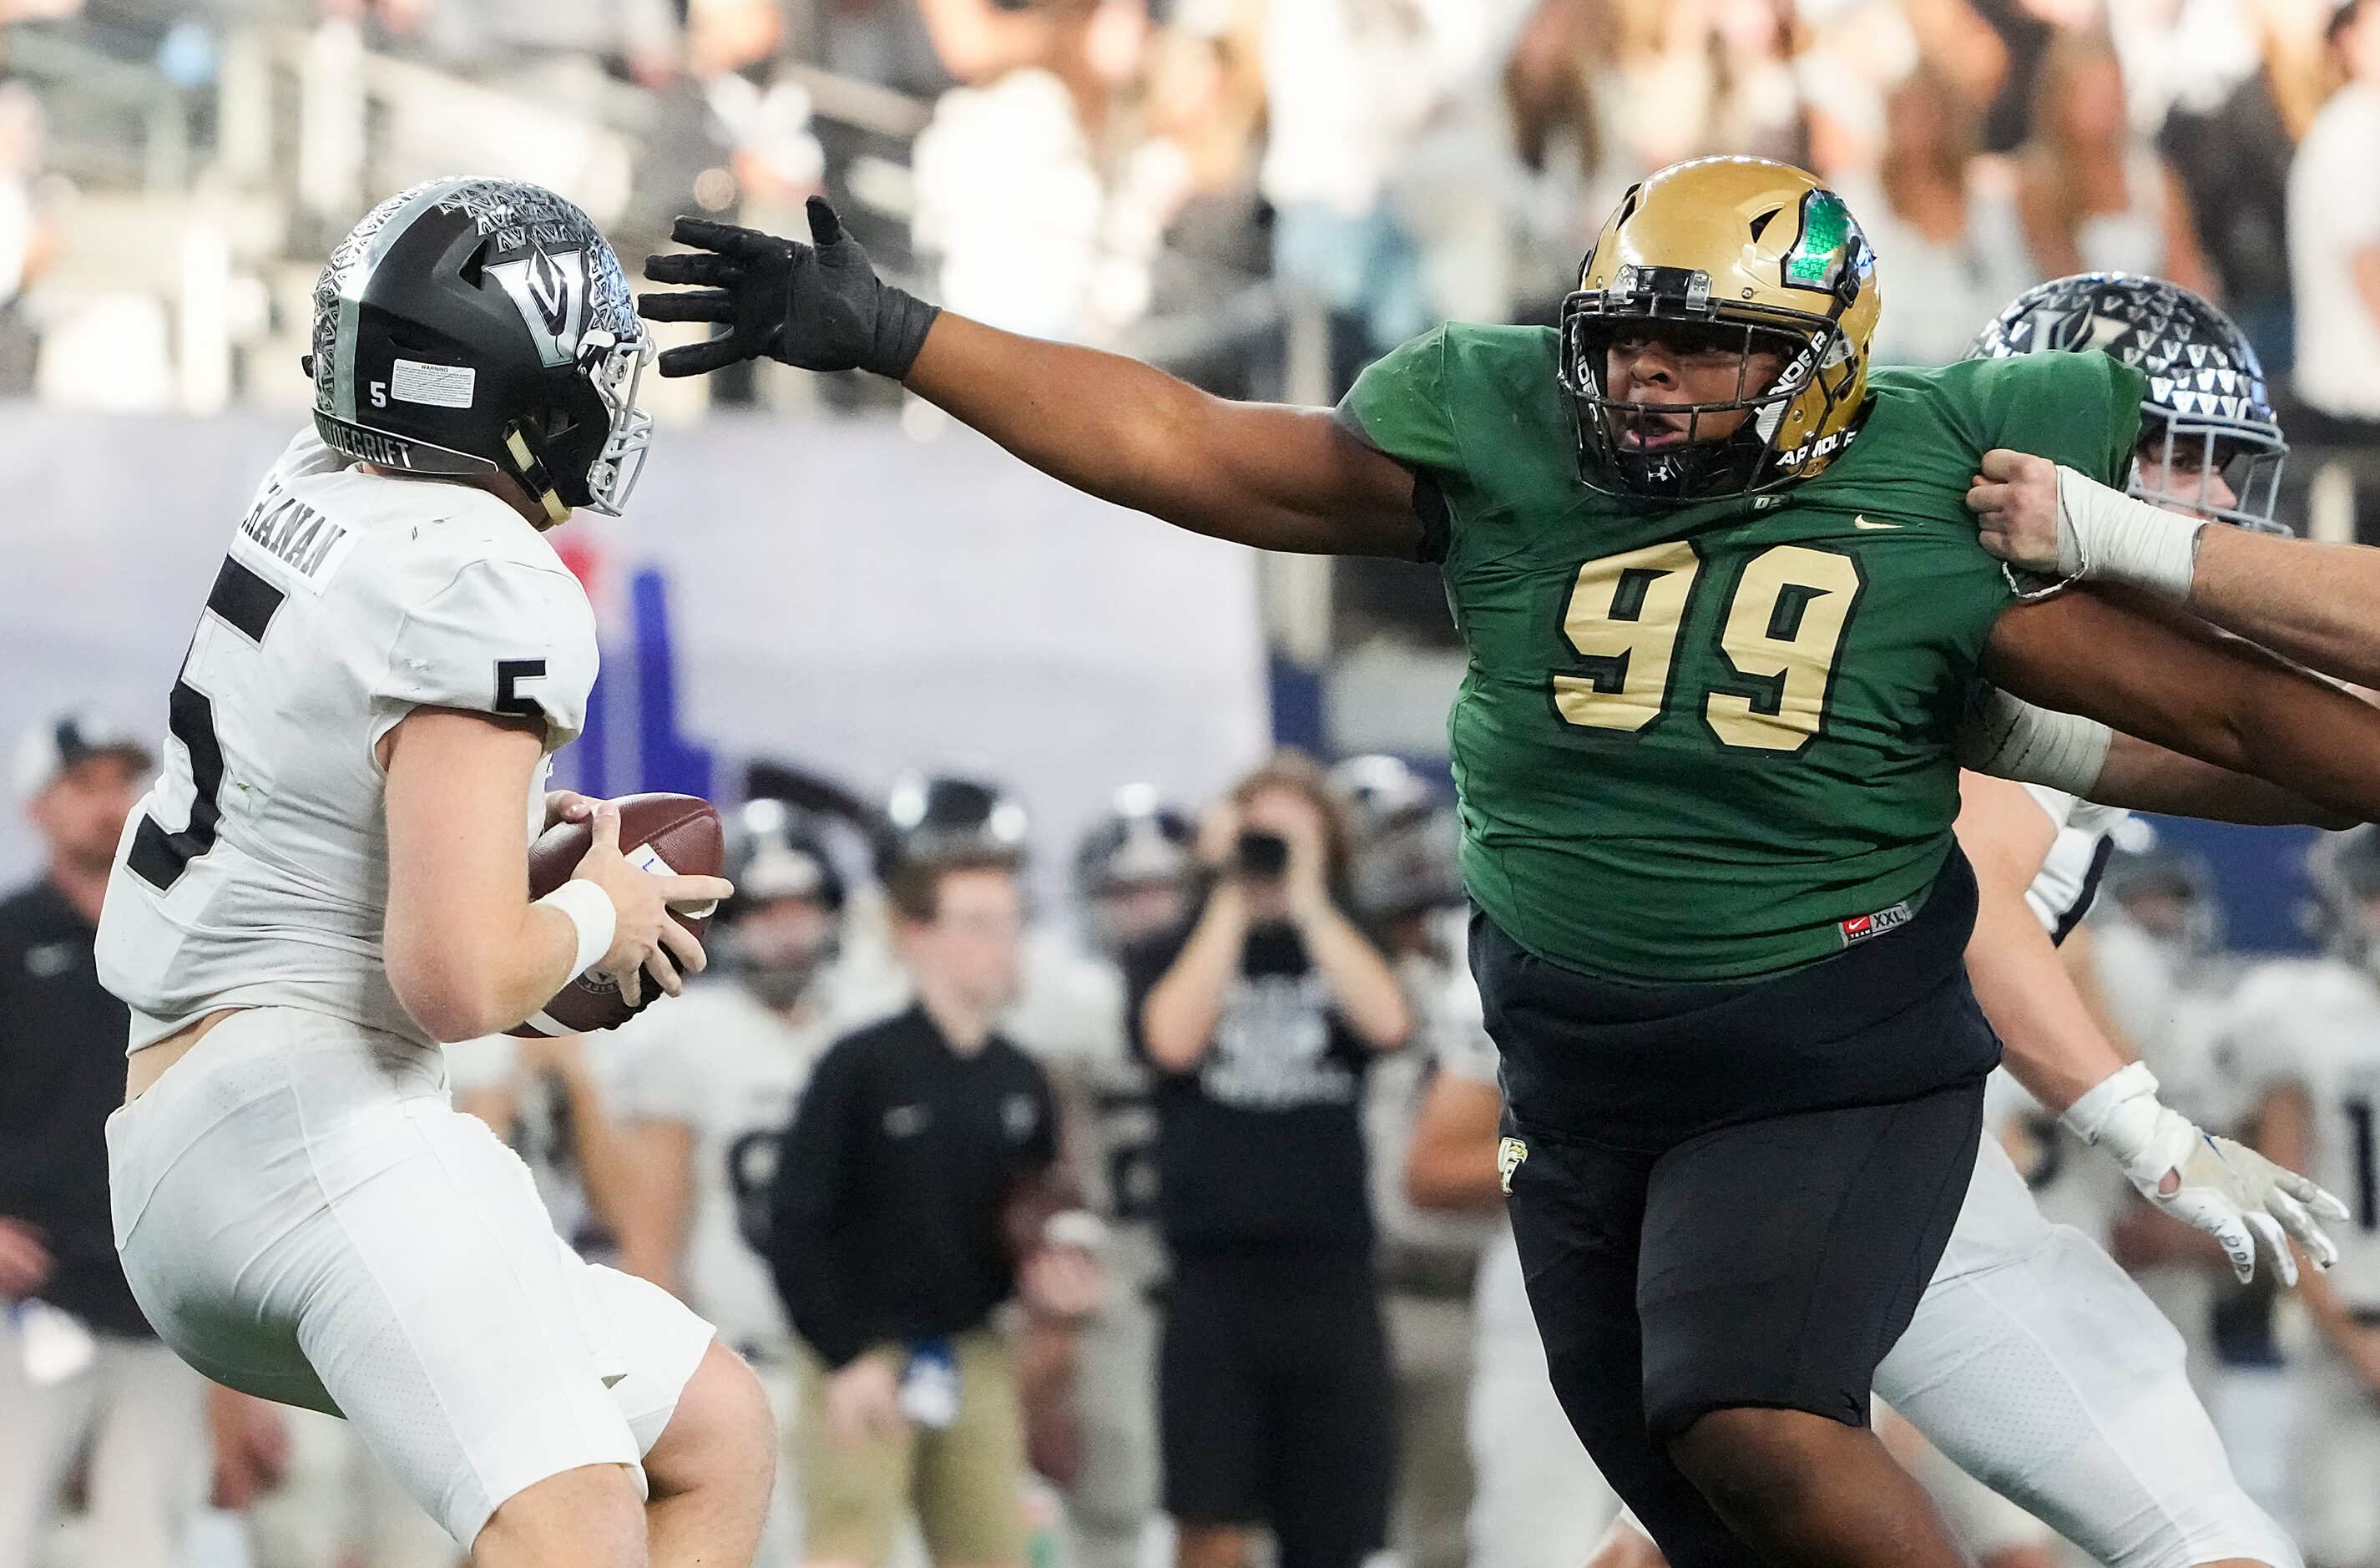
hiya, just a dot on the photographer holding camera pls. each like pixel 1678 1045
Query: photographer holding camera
pixel 1259 1021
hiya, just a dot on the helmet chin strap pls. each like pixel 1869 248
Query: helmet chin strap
pixel 530 470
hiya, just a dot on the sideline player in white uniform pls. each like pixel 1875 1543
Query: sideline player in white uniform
pixel 331 877
pixel 705 1090
pixel 2310 1032
pixel 2032 1360
pixel 1132 879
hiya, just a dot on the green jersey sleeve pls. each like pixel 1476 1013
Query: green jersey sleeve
pixel 1399 405
pixel 2081 410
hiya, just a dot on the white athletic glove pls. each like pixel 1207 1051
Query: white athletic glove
pixel 2224 1188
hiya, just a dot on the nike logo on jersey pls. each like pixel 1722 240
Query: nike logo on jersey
pixel 905 1121
pixel 1861 522
pixel 49 960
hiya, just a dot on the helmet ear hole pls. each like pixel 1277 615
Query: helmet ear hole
pixel 1760 225
pixel 475 265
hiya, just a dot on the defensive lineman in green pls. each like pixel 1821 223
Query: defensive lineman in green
pixel 1696 648
pixel 1725 617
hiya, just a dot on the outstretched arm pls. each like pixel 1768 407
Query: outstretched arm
pixel 2057 1051
pixel 1259 474
pixel 2142 777
pixel 2318 603
pixel 2010 739
pixel 2227 702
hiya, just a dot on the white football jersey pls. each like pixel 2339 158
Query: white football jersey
pixel 256 872
pixel 723 1063
pixel 2314 1024
pixel 1069 1016
pixel 2069 878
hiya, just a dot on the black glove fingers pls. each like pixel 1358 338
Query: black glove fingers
pixel 697 305
pixel 694 266
pixel 727 240
pixel 825 229
pixel 701 358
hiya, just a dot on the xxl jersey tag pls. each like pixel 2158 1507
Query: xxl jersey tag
pixel 1859 928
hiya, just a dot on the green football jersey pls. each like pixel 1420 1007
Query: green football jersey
pixel 1713 742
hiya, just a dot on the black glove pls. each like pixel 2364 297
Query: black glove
pixel 819 307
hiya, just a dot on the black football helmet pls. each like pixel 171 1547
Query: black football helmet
pixel 2207 412
pixel 475 326
pixel 931 816
pixel 2165 889
pixel 1407 845
pixel 1141 842
pixel 1141 839
pixel 773 855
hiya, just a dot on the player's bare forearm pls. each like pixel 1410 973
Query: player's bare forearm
pixel 2318 603
pixel 2229 703
pixel 467 954
pixel 2055 1049
pixel 1260 474
pixel 1177 1021
pixel 1451 1164
pixel 2142 777
pixel 1363 986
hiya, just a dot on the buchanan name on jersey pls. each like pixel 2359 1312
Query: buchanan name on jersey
pixel 255 873
pixel 1711 741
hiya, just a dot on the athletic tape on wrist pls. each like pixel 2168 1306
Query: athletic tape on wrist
pixel 2010 738
pixel 2091 1117
pixel 2127 540
pixel 591 915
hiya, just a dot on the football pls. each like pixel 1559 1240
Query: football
pixel 660 832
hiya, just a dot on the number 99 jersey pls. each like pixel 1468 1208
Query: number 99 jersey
pixel 1710 741
pixel 255 872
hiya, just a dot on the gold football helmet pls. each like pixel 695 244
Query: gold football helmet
pixel 1731 254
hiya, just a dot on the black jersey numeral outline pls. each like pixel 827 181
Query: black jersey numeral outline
pixel 247 604
pixel 2367 1178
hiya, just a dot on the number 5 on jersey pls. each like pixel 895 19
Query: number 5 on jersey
pixel 1783 632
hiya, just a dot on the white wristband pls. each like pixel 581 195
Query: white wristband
pixel 2122 1117
pixel 2091 1117
pixel 2107 536
pixel 592 916
pixel 2010 738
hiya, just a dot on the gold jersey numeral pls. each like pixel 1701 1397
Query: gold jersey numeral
pixel 1783 634
pixel 1625 612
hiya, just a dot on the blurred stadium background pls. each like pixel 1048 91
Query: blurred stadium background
pixel 1259 195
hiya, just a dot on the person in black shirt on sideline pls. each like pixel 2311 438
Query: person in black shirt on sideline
pixel 1273 1378
pixel 915 1194
pixel 79 1368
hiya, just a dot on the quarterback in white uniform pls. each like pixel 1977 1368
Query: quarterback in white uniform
pixel 2309 1033
pixel 331 877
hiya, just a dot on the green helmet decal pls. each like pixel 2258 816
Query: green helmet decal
pixel 1818 255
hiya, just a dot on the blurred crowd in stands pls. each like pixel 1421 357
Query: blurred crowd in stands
pixel 1180 178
